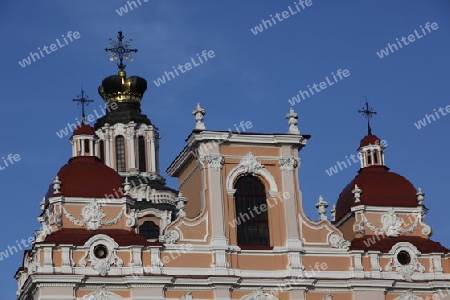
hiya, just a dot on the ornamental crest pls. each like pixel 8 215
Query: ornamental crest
pixel 391 224
pixel 250 164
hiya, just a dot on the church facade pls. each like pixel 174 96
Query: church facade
pixel 233 229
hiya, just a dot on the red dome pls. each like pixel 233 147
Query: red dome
pixel 369 140
pixel 84 129
pixel 379 188
pixel 88 177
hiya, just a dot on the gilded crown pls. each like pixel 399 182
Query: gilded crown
pixel 118 88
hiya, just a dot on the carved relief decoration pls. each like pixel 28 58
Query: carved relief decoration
pixel 101 265
pixel 214 161
pixel 288 163
pixel 170 237
pixel 408 296
pixel 338 242
pixel 102 294
pixel 93 216
pixel 392 225
pixel 259 295
pixel 250 164
pixel 405 270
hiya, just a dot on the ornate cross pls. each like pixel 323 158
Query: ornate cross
pixel 120 50
pixel 367 112
pixel 83 100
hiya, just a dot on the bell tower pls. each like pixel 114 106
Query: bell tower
pixel 128 141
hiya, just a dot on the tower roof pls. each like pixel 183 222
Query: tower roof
pixel 379 188
pixel 369 140
pixel 88 177
pixel 84 129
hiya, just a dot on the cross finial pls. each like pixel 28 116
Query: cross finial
pixel 367 112
pixel 120 50
pixel 83 100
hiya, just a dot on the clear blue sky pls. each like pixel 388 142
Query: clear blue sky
pixel 250 78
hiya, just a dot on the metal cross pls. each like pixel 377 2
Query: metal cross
pixel 367 112
pixel 120 50
pixel 83 100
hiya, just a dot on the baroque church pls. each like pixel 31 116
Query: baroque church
pixel 233 229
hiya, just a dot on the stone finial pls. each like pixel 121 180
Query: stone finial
pixel 420 195
pixel 333 213
pixel 199 114
pixel 357 194
pixel 56 185
pixel 292 116
pixel 322 209
pixel 126 186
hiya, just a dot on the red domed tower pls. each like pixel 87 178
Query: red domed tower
pixel 381 213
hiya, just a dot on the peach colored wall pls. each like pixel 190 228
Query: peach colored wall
pixel 195 294
pixel 146 258
pixel 186 259
pixel 239 150
pixel 57 258
pixel 258 262
pixel 322 295
pixel 326 263
pixel 191 189
pixel 347 229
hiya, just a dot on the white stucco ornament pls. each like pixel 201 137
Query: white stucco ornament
pixel 259 295
pixel 288 163
pixel 338 242
pixel 392 225
pixel 102 294
pixel 93 216
pixel 408 296
pixel 250 164
pixel 170 237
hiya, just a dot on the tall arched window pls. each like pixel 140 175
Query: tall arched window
pixel 141 147
pixel 120 153
pixel 251 212
pixel 102 150
pixel 149 230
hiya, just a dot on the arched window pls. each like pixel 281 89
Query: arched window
pixel 102 151
pixel 149 230
pixel 251 212
pixel 141 147
pixel 120 154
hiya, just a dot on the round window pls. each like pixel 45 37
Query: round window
pixel 100 251
pixel 403 258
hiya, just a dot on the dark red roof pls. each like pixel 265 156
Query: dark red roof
pixel 84 129
pixel 369 140
pixel 384 243
pixel 79 236
pixel 88 177
pixel 379 188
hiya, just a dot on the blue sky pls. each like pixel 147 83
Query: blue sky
pixel 250 78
